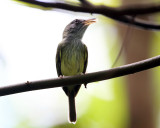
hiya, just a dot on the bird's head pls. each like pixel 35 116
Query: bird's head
pixel 76 28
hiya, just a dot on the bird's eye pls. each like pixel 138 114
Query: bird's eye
pixel 76 21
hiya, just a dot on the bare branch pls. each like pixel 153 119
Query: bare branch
pixel 100 9
pixel 80 79
pixel 139 9
pixel 118 14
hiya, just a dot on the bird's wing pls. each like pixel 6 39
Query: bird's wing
pixel 58 59
pixel 85 58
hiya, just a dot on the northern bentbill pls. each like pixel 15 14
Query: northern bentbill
pixel 72 58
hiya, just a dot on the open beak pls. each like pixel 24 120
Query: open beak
pixel 90 21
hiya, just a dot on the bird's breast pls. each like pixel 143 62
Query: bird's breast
pixel 72 59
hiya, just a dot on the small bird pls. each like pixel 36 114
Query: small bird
pixel 72 58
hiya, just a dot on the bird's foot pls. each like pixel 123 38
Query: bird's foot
pixel 27 83
pixel 61 76
pixel 82 73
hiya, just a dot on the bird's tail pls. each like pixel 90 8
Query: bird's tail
pixel 72 108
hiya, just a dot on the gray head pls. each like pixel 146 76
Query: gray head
pixel 76 28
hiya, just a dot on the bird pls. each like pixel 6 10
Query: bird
pixel 72 58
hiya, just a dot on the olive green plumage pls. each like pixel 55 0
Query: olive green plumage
pixel 72 58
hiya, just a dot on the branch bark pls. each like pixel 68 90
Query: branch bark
pixel 80 79
pixel 121 14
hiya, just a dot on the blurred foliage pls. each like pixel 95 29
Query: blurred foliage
pixel 155 50
pixel 24 124
pixel 113 3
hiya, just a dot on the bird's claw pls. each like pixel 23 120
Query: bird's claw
pixel 27 83
pixel 82 73
pixel 61 76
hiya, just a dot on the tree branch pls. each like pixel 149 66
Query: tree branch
pixel 80 79
pixel 118 14
pixel 137 9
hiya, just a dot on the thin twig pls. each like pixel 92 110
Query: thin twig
pixel 122 45
pixel 80 79
pixel 125 41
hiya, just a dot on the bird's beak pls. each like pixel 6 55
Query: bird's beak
pixel 90 21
